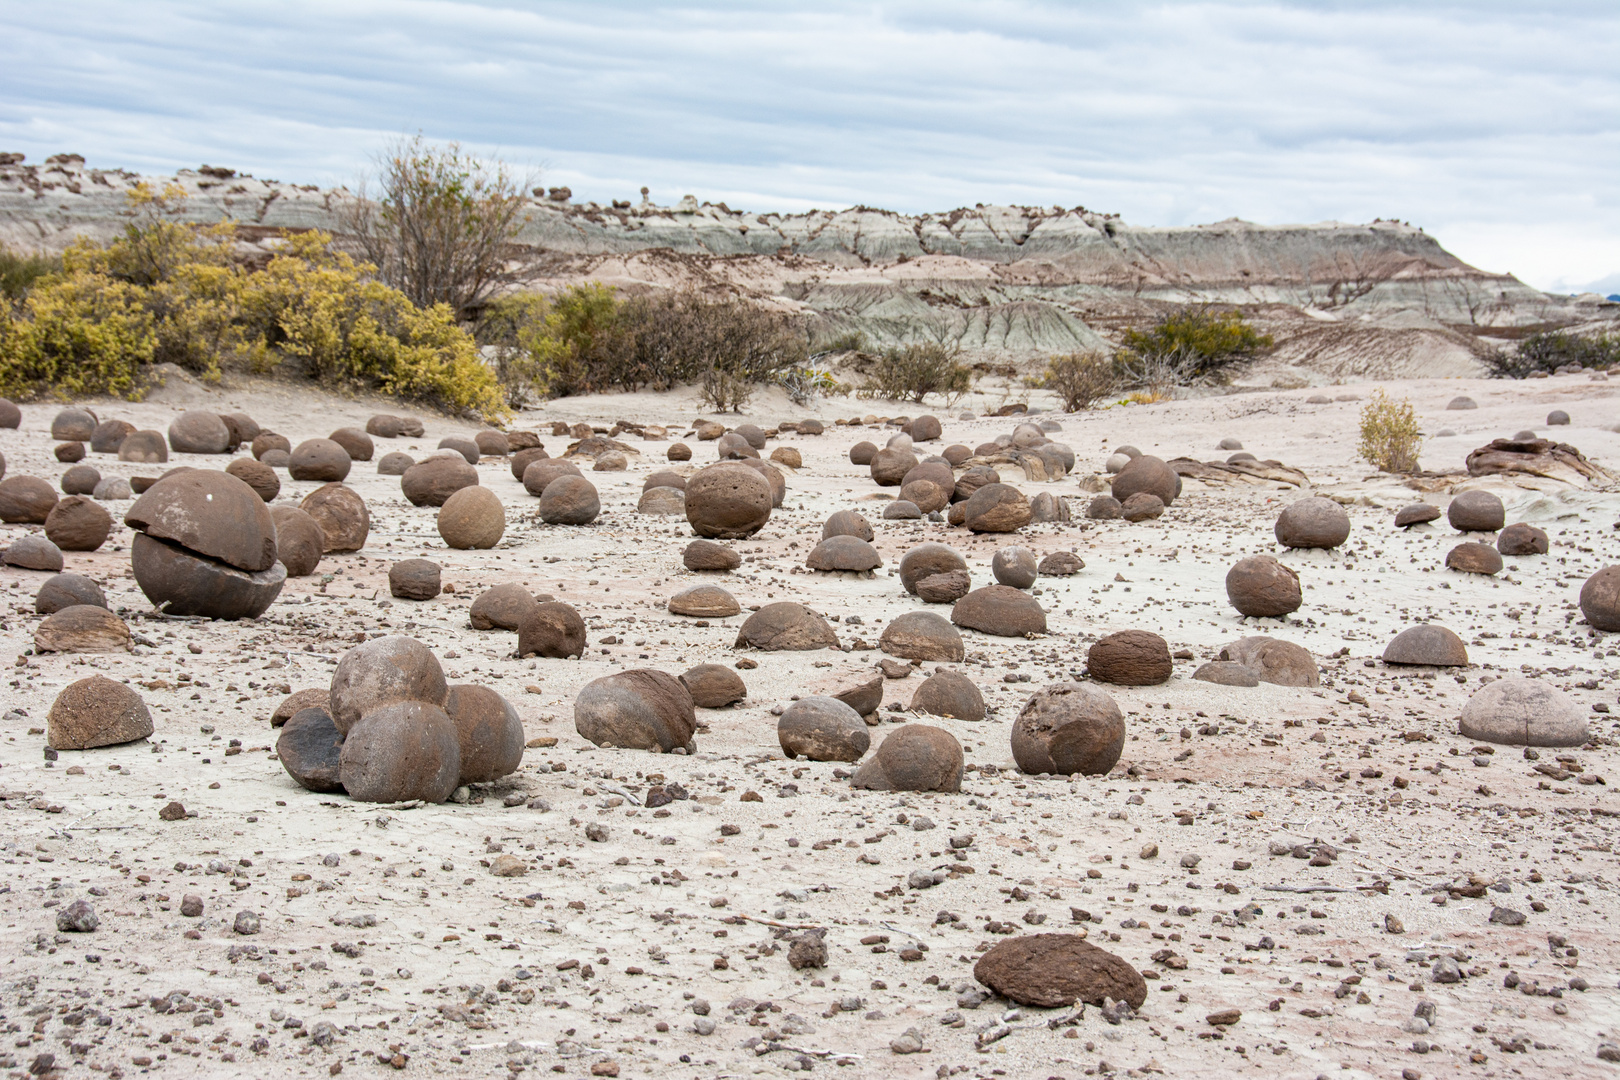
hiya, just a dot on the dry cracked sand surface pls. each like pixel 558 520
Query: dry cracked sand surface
pixel 1326 861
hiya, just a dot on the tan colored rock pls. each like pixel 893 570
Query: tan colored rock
pixel 488 732
pixel 256 475
pixel 822 729
pixel 472 519
pixel 504 607
pixel 704 602
pixel 641 709
pixel 83 628
pixel 1000 611
pixel 847 523
pixel 848 553
pixel 431 481
pixel 570 500
pixel 996 508
pixel 1261 586
pixel 1427 644
pixel 727 502
pixel 708 555
pixel 786 626
pixel 1068 728
pixel 25 500
pixel 922 635
pixel 927 560
pixel 96 712
pixel 915 757
pixel 381 672
pixel 342 514
pixel 399 752
pixel 714 686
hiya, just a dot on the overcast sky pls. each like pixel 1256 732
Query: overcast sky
pixel 1496 126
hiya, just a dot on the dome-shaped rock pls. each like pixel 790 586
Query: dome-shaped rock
pixel 996 508
pixel 208 513
pixel 80 480
pixel 843 553
pixel 1130 658
pixel 144 447
pixel 1149 474
pixel 1312 523
pixel 1416 514
pixel 1274 661
pixel 1061 564
pixel 399 752
pixel 504 607
pixel 945 588
pixel 256 475
pixel 33 552
pixel 1105 508
pixel 473 519
pixel 949 693
pixel 492 443
pixel 83 628
pixel 431 481
pixel 418 579
pixel 1472 558
pixel 727 502
pixel 1143 506
pixel 1427 644
pixel 539 474
pixel 77 425
pixel 263 443
pixel 381 672
pixel 641 709
pixel 181 582
pixel 704 602
pixel 714 686
pixel 465 447
pixel 96 712
pixel 1523 712
pixel 1058 970
pixel 25 500
pixel 198 432
pixel 926 560
pixel 1600 599
pixel 1068 728
pixel 65 591
pixel 1000 611
pixel 847 523
pixel 1522 539
pixel 570 500
pixel 890 465
pixel 708 555
pixel 1261 586
pixel 310 748
pixel 1476 511
pixel 915 757
pixel 321 460
pixel 922 635
pixel 786 626
pixel 822 729
pixel 552 630
pixel 1014 566
pixel 355 442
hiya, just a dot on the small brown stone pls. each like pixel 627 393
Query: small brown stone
pixel 1130 658
pixel 679 452
pixel 1312 523
pixel 1476 511
pixel 65 591
pixel 319 459
pixel 865 697
pixel 862 453
pixel 1416 514
pixel 1600 599
pixel 1105 508
pixel 708 555
pixel 33 553
pixel 1143 506
pixel 927 560
pixel 1427 644
pixel 538 474
pixel 79 480
pixel 524 458
pixel 1522 539
pixel 147 448
pixel 847 523
pixel 1061 564
pixel 890 465
pixel 418 579
pixel 263 443
pixel 1057 970
pixel 492 443
pixel 69 452
pixel 199 432
pixel 1148 474
pixel 319 697
pixel 944 588
pixel 109 435
pixel 714 686
pixel 465 447
pixel 310 748
pixel 849 553
pixel 996 508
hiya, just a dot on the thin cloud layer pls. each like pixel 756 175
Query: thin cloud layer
pixel 1491 125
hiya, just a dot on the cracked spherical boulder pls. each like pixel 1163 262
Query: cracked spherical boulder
pixel 538 474
pixel 1274 661
pixel 1600 599
pixel 641 709
pixel 80 480
pixel 503 607
pixel 342 515
pixel 822 729
pixel 355 442
pixel 704 602
pixel 144 448
pixel 1474 558
pixel 1261 586
pixel 310 748
pixel 786 626
pixel 1057 970
pixel 78 524
pixel 65 591
pixel 1415 514
pixel 33 552
pixel 949 693
pixel 299 700
pixel 199 432
pixel 1143 506
pixel 708 555
pixel 394 463
pixel 398 752
pixel 1522 539
pixel 96 712
pixel 1476 511
pixel 849 553
pixel 996 508
pixel 300 541
pixel 1068 728
pixel 862 453
pixel 83 628
pixel 109 435
pixel 570 500
pixel 76 425
pixel 381 672
pixel 210 514
pixel 1517 711
pixel 1130 658
pixel 847 523
pixel 181 582
pixel 714 686
pixel 1000 611
pixel 488 730
pixel 473 519
pixel 1149 474
pixel 890 465
pixel 266 441
pixel 727 502
pixel 1014 566
pixel 914 757
pixel 922 635
pixel 1312 523
pixel 927 560
pixel 432 481
pixel 321 460
pixel 1427 644
pixel 418 579
pixel 552 629
pixel 25 500
pixel 256 475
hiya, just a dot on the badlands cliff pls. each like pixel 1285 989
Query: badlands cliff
pixel 1007 283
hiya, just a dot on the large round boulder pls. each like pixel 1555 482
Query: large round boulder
pixel 949 693
pixel 300 541
pixel 822 729
pixel 641 709
pixel 78 524
pixel 1014 566
pixel 432 481
pixel 399 752
pixel 385 426
pixel 1523 712
pixel 488 731
pixel 786 626
pixel 521 460
pixel 10 414
pixel 915 757
pixel 662 502
pixel 493 443
pixel 1522 539
pixel 109 435
pixel 1000 611
pixel 65 591
pixel 927 560
pixel 1476 511
pixel 1474 558
pixel 76 425
pixel 847 523
pixel 1068 728
pixel 210 514
pixel 256 475
pixel 180 582
pixel 1057 970
pixel 570 500
pixel 342 515
pixel 263 443
pixel 945 588
pixel 972 480
pixel 1149 474
pixel 321 460
pixel 25 500
pixel 843 553
pixel 922 635
pixel 1427 644
pixel 727 502
pixel 714 686
pixel 996 508
pixel 145 448
pixel 80 480
pixel 1105 508
pixel 243 428
pixel 1600 599
pixel 310 748
pixel 704 602
pixel 96 712
pixel 465 447
pixel 384 671
pixel 418 579
pixel 1312 523
pixel 538 474
pixel 355 442
pixel 773 476
pixel 1130 658
pixel 553 630
pixel 1261 586
pixel 394 463
pixel 890 465
pixel 503 607
pixel 198 432
pixel 1271 660
pixel 473 518
pixel 862 453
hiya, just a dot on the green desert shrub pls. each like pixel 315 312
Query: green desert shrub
pixel 1194 343
pixel 1078 379
pixel 20 269
pixel 912 372
pixel 1552 349
pixel 1389 434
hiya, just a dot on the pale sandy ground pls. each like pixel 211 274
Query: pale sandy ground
pixel 447 930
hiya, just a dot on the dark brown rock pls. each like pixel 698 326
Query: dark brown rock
pixel 862 453
pixel 355 442
pixel 552 630
pixel 1014 566
pixel 74 424
pixel 915 757
pixel 521 460
pixel 465 447
pixel 1416 514
pixel 944 588
pixel 949 693
pixel 473 519
pixel 1068 728
pixel 1522 539
pixel 1055 970
pixel 311 750
pixel 1312 523
pixel 342 515
pixel 890 465
pixel 256 475
pixel 927 560
pixel 492 443
pixel 822 729
pixel 80 480
pixel 865 697
pixel 1105 508
pixel 300 541
pixel 538 474
pixel 714 686
pixel 996 508
pixel 1061 564
pixel 488 731
pixel 109 435
pixel 382 672
pixel 399 752
pixel 145 447
pixel 96 712
pixel 926 428
pixel 263 443
pixel 902 510
pixel 1000 611
pixel 33 553
pixel 385 426
pixel 430 482
pixel 83 628
pixel 299 700
pixel 25 500
pixel 208 513
pixel 1427 644
pixel 679 452
pixel 65 591
pixel 1143 506
pixel 1472 558
pixel 727 502
pixel 419 579
pixel 198 432
pixel 1600 599
pixel 10 414
pixel 955 454
pixel 704 602
pixel 847 523
pixel 181 582
pixel 1476 511
pixel 243 428
pixel 69 452
pixel 1270 660
pixel 708 555
pixel 641 709
pixel 1149 474
pixel 922 635
pixel 1263 587
pixel 78 524
pixel 786 626
pixel 321 460
pixel 570 500
pixel 972 480
pixel 928 496
pixel 843 553
pixel 504 607
pixel 1130 658
pixel 394 463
